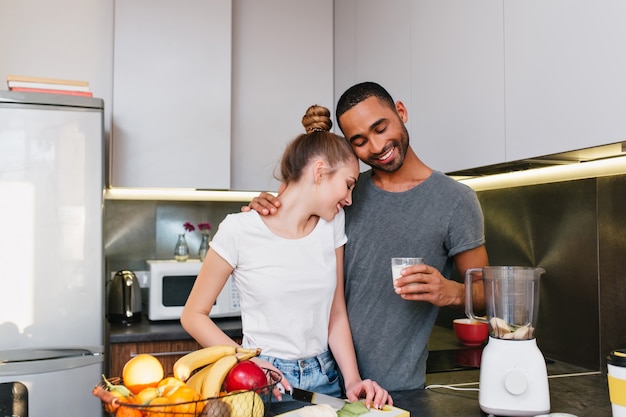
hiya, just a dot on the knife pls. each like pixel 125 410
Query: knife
pixel 317 398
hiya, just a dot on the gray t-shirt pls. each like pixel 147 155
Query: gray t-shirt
pixel 435 220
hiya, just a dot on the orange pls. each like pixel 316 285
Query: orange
pixel 125 411
pixel 159 407
pixel 142 371
pixel 169 385
pixel 146 395
pixel 188 401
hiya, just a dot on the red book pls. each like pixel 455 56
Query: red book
pixel 49 91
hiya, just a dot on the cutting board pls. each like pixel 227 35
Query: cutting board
pixel 387 411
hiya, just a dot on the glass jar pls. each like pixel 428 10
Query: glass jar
pixel 181 251
pixel 204 247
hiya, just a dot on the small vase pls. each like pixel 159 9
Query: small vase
pixel 181 252
pixel 204 246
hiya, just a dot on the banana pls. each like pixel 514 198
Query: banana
pixel 215 377
pixel 245 354
pixel 185 365
pixel 195 381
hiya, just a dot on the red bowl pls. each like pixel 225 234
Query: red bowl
pixel 470 332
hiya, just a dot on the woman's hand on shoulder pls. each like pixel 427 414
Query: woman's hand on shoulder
pixel 375 396
pixel 264 204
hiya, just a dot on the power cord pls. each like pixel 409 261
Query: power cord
pixel 459 387
pixel 455 387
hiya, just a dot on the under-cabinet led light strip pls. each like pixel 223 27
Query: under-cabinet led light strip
pixel 178 194
pixel 592 169
pixel 558 173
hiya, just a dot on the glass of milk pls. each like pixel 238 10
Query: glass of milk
pixel 398 264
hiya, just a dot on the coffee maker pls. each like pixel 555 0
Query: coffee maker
pixel 513 374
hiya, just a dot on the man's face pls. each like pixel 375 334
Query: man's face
pixel 377 133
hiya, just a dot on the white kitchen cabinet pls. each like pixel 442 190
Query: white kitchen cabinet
pixel 172 94
pixel 443 59
pixel 372 43
pixel 282 64
pixel 457 83
pixel 565 83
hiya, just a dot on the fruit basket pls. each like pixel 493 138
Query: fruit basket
pixel 253 403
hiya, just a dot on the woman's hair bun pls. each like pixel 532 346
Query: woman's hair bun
pixel 317 118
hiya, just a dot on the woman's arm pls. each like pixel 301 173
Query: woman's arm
pixel 342 347
pixel 195 317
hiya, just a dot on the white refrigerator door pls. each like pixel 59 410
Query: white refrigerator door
pixel 51 182
pixel 56 382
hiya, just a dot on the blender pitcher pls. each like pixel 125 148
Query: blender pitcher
pixel 511 300
pixel 513 374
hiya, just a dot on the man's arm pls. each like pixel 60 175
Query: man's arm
pixel 425 283
pixel 474 258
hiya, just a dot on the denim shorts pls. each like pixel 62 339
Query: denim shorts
pixel 318 373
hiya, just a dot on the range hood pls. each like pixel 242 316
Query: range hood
pixel 565 158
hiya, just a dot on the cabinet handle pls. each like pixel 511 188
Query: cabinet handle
pixel 183 352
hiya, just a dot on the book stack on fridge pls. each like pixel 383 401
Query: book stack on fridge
pixel 48 85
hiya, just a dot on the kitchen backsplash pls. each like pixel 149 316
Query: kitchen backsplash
pixel 575 230
pixel 135 231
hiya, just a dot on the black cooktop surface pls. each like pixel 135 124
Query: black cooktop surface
pixel 454 359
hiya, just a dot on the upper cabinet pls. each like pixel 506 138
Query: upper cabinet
pixel 443 60
pixel 487 81
pixel 282 64
pixel 372 43
pixel 181 82
pixel 457 83
pixel 171 123
pixel 565 67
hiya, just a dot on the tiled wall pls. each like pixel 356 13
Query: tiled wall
pixel 575 230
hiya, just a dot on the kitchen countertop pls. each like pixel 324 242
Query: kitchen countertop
pixel 573 389
pixel 155 331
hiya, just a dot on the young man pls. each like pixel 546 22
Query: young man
pixel 401 207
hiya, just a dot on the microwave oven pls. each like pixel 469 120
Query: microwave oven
pixel 170 284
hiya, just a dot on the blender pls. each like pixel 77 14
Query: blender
pixel 513 374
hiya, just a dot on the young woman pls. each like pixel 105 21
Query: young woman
pixel 288 269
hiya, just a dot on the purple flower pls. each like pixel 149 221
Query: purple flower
pixel 204 227
pixel 189 227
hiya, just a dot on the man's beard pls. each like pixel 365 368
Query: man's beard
pixel 401 145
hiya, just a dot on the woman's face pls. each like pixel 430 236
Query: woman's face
pixel 336 189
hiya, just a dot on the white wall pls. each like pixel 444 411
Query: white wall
pixel 67 39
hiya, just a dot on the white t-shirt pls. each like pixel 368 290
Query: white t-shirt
pixel 286 286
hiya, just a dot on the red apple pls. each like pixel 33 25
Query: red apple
pixel 246 375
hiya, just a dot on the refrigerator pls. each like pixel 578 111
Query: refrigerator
pixel 51 254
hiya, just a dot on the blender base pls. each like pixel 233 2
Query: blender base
pixel 513 379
